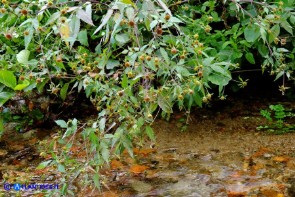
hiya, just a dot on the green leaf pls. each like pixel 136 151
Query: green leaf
pixel 124 82
pixel 122 38
pixel 263 34
pixel 219 79
pixel 112 64
pixel 102 124
pixel 96 180
pixel 165 7
pixel 61 168
pixel 249 56
pixel 23 56
pixel 85 16
pixel 197 98
pixel 129 2
pixel 105 20
pixel 182 71
pixel 82 37
pixel 62 124
pixel 275 32
pixel 28 38
pixel 164 55
pixel 105 153
pixel 150 133
pixel 263 50
pixel 22 86
pixel 64 91
pixel 130 13
pixel 164 104
pixel 53 18
pixel 43 165
pixel 7 78
pixel 252 33
pixel 40 86
pixel 75 28
pixel 5 96
pixel 287 26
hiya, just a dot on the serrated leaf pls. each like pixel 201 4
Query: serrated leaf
pixel 164 6
pixel 164 55
pixel 182 71
pixel 83 38
pixel 280 74
pixel 153 24
pixel 53 18
pixel 252 33
pixel 104 20
pixel 124 82
pixel 75 28
pixel 164 104
pixel 197 98
pixel 263 34
pixel 84 16
pixel 64 91
pixel 43 165
pixel 96 180
pixel 175 20
pixel 150 133
pixel 62 124
pixel 219 79
pixel 22 85
pixel 129 2
pixel 23 56
pixel 102 124
pixel 7 78
pixel 112 64
pixel 263 50
pixel 130 13
pixel 249 56
pixel 5 96
pixel 28 38
pixel 122 38
pixel 105 153
pixel 275 32
pixel 287 26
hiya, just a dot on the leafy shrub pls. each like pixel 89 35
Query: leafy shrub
pixel 143 59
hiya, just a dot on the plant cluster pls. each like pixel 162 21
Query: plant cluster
pixel 143 59
pixel 277 118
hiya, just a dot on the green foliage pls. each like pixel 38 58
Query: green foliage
pixel 276 116
pixel 136 60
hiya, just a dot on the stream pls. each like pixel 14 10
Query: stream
pixel 219 154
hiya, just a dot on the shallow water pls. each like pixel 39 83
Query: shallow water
pixel 219 154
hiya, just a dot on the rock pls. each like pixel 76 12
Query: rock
pixel 140 186
pixel 29 134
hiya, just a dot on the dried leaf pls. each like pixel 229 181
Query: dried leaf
pixel 137 169
pixel 146 152
pixel 115 164
pixel 281 159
